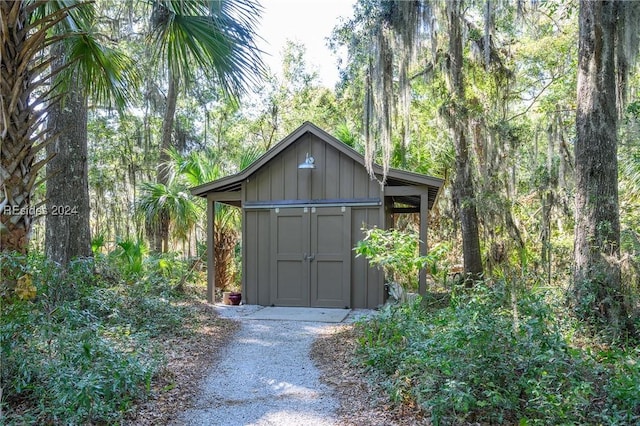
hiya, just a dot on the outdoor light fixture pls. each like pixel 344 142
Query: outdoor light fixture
pixel 309 163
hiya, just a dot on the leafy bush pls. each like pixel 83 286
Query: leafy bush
pixel 397 254
pixel 481 360
pixel 130 255
pixel 80 352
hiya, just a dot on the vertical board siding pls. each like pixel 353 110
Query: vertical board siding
pixel 250 268
pixel 346 177
pixel 264 258
pixel 336 176
pixel 360 185
pixel 365 281
pixel 374 188
pixel 359 264
pixel 332 173
pixel 277 179
pixel 256 266
pixel 251 189
pixel 305 176
pixel 290 175
pixel 317 149
pixel 264 185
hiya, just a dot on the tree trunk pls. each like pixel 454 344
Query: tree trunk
pixel 18 120
pixel 597 289
pixel 158 233
pixel 548 191
pixel 68 231
pixel 463 191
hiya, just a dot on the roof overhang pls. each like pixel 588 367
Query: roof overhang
pixel 394 176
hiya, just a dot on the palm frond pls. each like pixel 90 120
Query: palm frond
pixel 197 167
pixel 173 201
pixel 216 36
pixel 249 156
pixel 107 74
pixel 226 217
pixel 630 179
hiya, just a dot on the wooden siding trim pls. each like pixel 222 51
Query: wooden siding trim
pixel 354 202
pixel 424 247
pixel 245 291
pixel 396 191
pixel 226 196
pixel 211 259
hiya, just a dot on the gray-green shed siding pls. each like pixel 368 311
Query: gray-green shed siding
pixel 339 179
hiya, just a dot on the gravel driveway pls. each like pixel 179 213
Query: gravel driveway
pixel 265 377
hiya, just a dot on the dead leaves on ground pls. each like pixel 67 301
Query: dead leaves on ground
pixel 188 356
pixel 361 401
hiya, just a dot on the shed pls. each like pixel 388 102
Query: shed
pixel 303 204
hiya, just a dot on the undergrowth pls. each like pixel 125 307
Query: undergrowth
pixel 84 348
pixel 491 358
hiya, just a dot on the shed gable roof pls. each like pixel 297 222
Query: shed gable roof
pixel 232 182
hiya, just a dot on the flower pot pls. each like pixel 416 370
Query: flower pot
pixel 235 298
pixel 225 297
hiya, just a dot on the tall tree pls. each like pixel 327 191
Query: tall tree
pixel 21 39
pixel 214 36
pixel 397 26
pixel 463 191
pixel 89 70
pixel 608 39
pixel 68 232
pixel 30 35
pixel 25 58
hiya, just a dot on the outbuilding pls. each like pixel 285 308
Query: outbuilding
pixel 304 203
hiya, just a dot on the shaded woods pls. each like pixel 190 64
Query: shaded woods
pixel 112 111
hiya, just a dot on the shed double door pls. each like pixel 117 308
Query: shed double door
pixel 311 256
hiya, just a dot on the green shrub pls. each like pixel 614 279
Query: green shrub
pixel 130 256
pixel 481 360
pixel 80 352
pixel 397 254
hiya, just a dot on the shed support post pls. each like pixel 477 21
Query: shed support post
pixel 211 259
pixel 424 225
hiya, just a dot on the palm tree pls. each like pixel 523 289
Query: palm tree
pixel 169 204
pixel 29 33
pixel 173 204
pixel 202 167
pixel 214 36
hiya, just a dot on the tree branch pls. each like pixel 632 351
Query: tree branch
pixel 535 99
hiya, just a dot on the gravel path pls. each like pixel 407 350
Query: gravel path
pixel 265 378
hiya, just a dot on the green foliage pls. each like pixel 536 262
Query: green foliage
pixel 158 200
pixel 97 243
pixel 217 38
pixel 491 358
pixel 130 254
pixel 82 351
pixel 397 254
pixel 346 134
